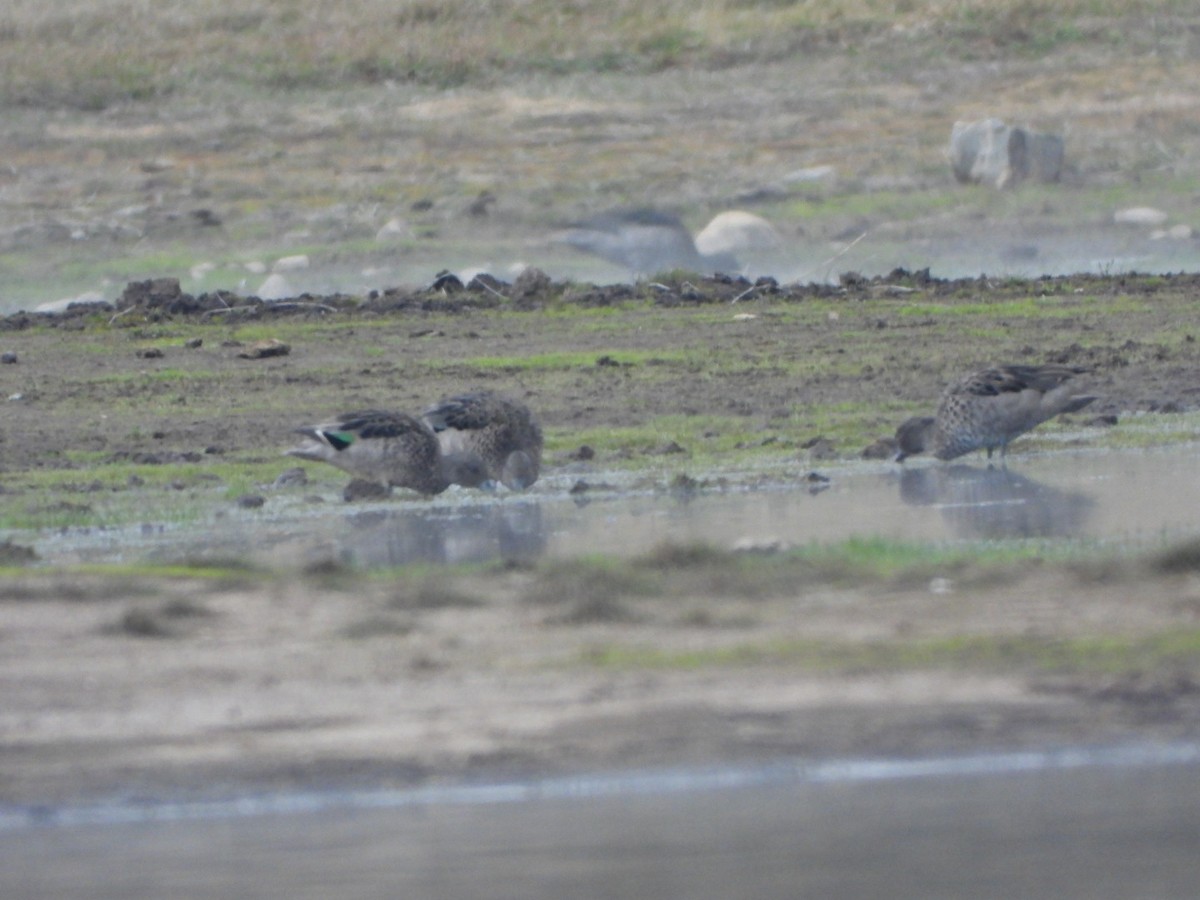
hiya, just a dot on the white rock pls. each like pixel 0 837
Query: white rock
pixel 291 263
pixel 737 232
pixel 990 152
pixel 256 267
pixel 978 152
pixel 1140 215
pixel 764 546
pixel 276 287
pixel 200 270
pixel 394 230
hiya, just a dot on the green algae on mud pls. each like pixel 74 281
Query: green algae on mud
pixel 676 381
pixel 789 364
pixel 102 434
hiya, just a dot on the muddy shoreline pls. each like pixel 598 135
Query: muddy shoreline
pixel 276 683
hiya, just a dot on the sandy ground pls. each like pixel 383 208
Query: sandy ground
pixel 293 685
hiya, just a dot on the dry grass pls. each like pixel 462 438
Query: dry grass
pixel 303 128
pixel 90 53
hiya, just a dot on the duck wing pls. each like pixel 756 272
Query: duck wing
pixel 1016 379
pixel 467 412
pixel 364 424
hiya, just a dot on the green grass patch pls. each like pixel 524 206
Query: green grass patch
pixel 840 202
pixel 683 570
pixel 119 493
pixel 712 433
pixel 582 359
pixel 1143 432
pixel 1101 655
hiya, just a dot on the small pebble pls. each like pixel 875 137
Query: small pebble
pixel 265 348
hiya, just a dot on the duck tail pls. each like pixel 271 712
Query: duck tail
pixel 321 444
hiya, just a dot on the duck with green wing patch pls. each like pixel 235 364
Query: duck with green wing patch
pixel 389 448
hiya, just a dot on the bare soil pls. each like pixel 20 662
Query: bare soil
pixel 176 688
pixel 166 372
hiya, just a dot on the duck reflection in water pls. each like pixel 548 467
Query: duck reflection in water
pixel 996 502
pixel 502 531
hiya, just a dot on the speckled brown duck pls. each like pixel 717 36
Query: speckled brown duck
pixel 388 448
pixel 987 409
pixel 492 438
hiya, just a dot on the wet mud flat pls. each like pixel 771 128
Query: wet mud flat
pixel 160 687
pixel 216 677
pixel 166 375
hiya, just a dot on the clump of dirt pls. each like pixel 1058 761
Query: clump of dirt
pixel 1181 559
pixel 16 554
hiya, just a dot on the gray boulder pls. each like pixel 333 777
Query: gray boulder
pixel 645 241
pixel 990 152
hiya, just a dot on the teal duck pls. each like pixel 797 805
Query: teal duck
pixel 389 448
pixel 987 409
pixel 487 439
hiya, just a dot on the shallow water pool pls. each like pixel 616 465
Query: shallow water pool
pixel 1125 498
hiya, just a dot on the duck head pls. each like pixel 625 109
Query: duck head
pixel 913 437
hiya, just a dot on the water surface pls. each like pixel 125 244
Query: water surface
pixel 1129 499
